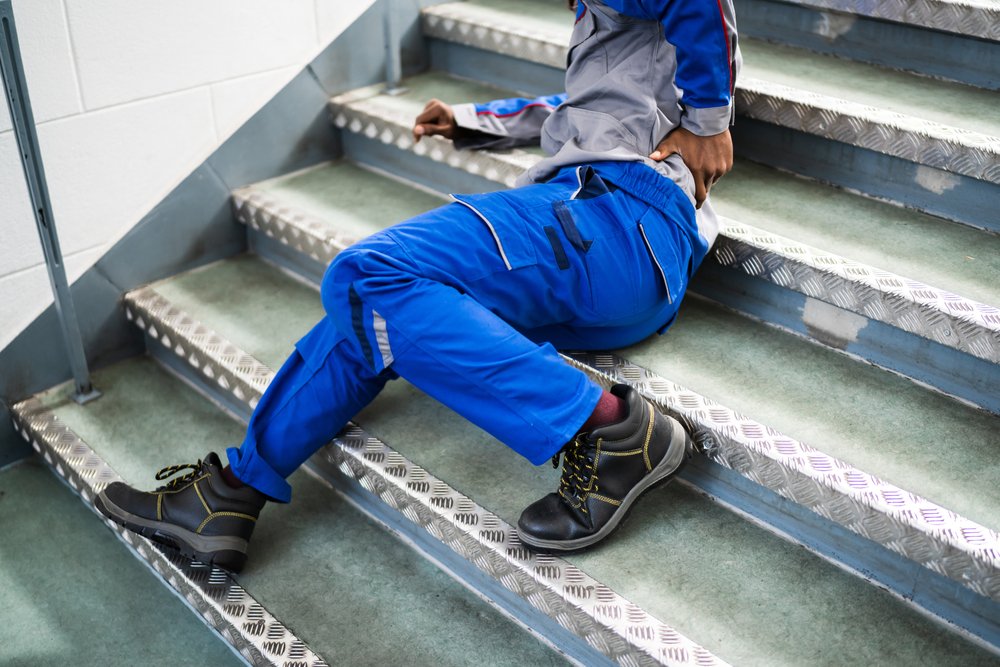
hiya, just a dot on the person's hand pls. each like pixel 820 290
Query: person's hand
pixel 436 118
pixel 708 158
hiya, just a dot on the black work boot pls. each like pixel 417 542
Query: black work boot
pixel 604 472
pixel 199 513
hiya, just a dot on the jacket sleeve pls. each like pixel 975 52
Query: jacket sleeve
pixel 703 32
pixel 503 123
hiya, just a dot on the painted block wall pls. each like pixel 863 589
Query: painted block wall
pixel 129 96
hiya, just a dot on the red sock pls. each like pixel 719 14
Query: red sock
pixel 231 478
pixel 610 410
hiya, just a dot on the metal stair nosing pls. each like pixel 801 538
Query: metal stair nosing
pixel 964 555
pixel 226 607
pixel 912 307
pixel 934 145
pixel 587 620
pixel 974 19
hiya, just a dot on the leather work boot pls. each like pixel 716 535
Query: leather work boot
pixel 604 472
pixel 198 513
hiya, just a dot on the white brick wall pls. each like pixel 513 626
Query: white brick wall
pixel 129 97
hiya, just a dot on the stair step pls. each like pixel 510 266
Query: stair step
pixel 296 211
pixel 348 588
pixel 974 18
pixel 759 252
pixel 700 598
pixel 952 39
pixel 69 594
pixel 922 124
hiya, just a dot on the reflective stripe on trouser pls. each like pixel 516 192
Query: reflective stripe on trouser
pixel 469 302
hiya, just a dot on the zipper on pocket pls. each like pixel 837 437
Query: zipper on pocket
pixel 663 276
pixel 493 231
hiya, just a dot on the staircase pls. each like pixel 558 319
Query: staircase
pixel 837 359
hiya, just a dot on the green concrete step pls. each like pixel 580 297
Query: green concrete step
pixel 69 593
pixel 942 125
pixel 799 247
pixel 212 330
pixel 322 572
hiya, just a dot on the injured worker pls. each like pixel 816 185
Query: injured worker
pixel 471 301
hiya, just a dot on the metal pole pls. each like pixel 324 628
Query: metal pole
pixel 16 89
pixel 393 62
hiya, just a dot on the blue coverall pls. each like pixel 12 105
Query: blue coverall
pixel 470 301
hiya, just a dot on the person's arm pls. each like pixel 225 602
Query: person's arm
pixel 703 33
pixel 499 124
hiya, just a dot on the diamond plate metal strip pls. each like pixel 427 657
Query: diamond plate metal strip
pixel 210 354
pixel 309 235
pixel 910 138
pixel 372 115
pixel 976 19
pixel 604 619
pixel 493 30
pixel 243 622
pixel 903 522
pixel 922 141
pixel 909 305
pixel 912 306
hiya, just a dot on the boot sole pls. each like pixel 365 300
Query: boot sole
pixel 223 551
pixel 680 450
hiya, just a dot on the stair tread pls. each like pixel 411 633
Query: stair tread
pixel 882 423
pixel 71 594
pixel 699 599
pixel 953 104
pixel 906 242
pixel 317 564
pixel 879 422
pixel 356 200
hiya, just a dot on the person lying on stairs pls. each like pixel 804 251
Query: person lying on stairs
pixel 469 302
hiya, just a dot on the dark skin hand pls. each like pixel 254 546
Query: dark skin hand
pixel 709 158
pixel 436 118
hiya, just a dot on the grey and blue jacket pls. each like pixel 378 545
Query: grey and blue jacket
pixel 636 70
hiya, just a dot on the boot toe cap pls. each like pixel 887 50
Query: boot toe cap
pixel 550 519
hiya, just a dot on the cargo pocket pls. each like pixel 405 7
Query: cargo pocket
pixel 506 227
pixel 668 252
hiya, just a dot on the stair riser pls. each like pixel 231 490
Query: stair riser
pixel 944 194
pixel 878 161
pixel 950 371
pixel 947 55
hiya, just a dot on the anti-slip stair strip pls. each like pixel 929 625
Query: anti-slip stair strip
pixel 976 18
pixel 306 234
pixel 608 622
pixel 259 637
pixel 910 305
pixel 903 522
pixel 907 137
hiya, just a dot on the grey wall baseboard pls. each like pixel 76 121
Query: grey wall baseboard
pixel 194 224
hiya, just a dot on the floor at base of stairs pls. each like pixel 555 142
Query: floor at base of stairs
pixel 71 594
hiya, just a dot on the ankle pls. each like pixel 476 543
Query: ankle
pixel 610 409
pixel 231 479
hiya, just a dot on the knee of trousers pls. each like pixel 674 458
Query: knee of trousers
pixel 371 270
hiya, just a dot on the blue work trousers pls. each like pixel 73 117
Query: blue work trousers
pixel 469 303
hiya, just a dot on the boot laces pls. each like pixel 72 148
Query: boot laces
pixel 195 468
pixel 579 473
